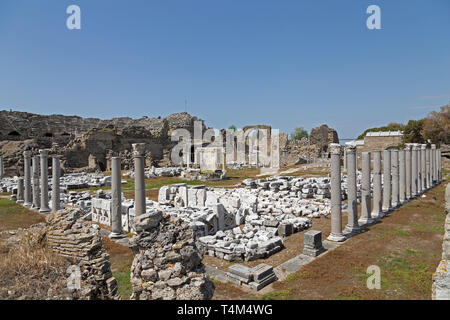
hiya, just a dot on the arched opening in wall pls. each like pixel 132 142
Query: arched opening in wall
pixel 14 134
pixel 65 134
pixel 48 135
pixel 251 146
pixel 102 166
pixel 192 154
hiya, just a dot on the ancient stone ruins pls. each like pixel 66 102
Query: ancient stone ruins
pixel 172 235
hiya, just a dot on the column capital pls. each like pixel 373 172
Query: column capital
pixel 138 149
pixel 350 148
pixel 335 148
pixel 27 154
pixel 423 146
pixel 433 146
pixel 43 152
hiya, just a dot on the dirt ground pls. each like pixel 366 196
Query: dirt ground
pixel 14 216
pixel 406 245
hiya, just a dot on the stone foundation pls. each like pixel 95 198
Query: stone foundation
pixel 167 264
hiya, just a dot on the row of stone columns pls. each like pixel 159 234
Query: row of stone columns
pixel 116 184
pixel 1 167
pixel 406 175
pixel 35 186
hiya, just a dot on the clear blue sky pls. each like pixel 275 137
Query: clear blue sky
pixel 287 63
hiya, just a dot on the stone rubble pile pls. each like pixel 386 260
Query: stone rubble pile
pixel 80 241
pixel 167 264
pixel 153 172
pixel 83 180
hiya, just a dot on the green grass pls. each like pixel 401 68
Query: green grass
pixel 123 282
pixel 276 295
pixel 405 271
pixel 428 228
pixel 14 216
pixel 396 233
pixel 296 276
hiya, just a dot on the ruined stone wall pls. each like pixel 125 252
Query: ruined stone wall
pixel 381 143
pixel 75 138
pixel 441 278
pixel 167 264
pixel 79 241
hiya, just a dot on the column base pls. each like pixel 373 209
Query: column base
pixel 27 204
pixel 386 211
pixel 377 215
pixel 44 210
pixel 336 237
pixel 114 235
pixel 20 201
pixel 366 221
pixel 352 230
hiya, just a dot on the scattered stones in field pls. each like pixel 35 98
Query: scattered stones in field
pixel 167 264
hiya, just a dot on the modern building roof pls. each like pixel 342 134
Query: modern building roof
pixel 384 134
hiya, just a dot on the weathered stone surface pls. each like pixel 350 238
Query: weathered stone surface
pixel 78 240
pixel 323 136
pixel 146 221
pixel 166 251
pixel 78 139
pixel 313 243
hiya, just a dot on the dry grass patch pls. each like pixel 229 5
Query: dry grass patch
pixel 29 269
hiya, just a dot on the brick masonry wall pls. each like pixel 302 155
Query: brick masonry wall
pixel 80 242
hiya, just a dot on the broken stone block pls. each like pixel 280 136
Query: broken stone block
pixel 285 229
pixel 313 243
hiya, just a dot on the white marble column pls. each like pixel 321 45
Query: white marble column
pixel 402 181
pixel 352 226
pixel 28 195
pixel 116 201
pixel 20 191
pixel 408 171
pixel 36 191
pixel 139 178
pixel 56 173
pixel 366 208
pixel 414 165
pixel 427 168
pixel 387 181
pixel 423 165
pixel 377 188
pixel 336 195
pixel 44 182
pixel 439 164
pixel 395 179
pixel 1 168
pixel 433 165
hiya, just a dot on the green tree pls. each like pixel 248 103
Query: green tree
pixel 436 127
pixel 412 133
pixel 232 127
pixel 299 133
